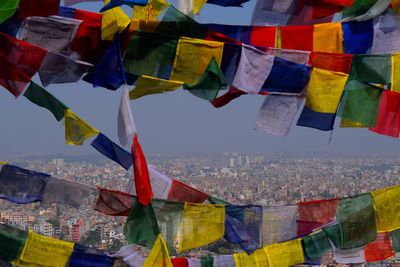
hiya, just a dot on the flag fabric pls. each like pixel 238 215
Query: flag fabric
pixel 7 9
pixel 358 36
pixel 263 36
pixel 296 56
pixel 183 193
pixel 360 103
pixel 377 9
pixel 388 121
pixel 316 245
pixel 11 78
pixel 331 61
pixel 158 255
pixel 42 8
pixel 190 7
pixel 395 237
pixel 224 261
pixel 317 120
pixel 349 256
pixel 372 68
pixel 279 224
pixel 147 85
pixel 286 77
pixel 227 3
pixel 151 11
pixel 113 20
pixel 114 203
pixel 141 172
pixel 207 261
pixel 297 37
pixel 236 33
pixel 126 125
pixel 328 37
pixel 12 241
pixel 358 8
pixel 380 249
pixel 386 30
pixel 193 57
pixel 42 250
pixel 257 259
pixel 387 205
pixel 253 69
pixel 112 151
pixel 285 254
pixel 129 256
pixel 201 225
pixel 314 214
pixel 87 257
pixel 277 114
pixel 226 98
pixel 209 84
pixel 116 3
pixel 230 61
pixel 39 96
pixel 180 262
pixel 395 82
pixel 160 184
pixel 76 129
pixel 141 226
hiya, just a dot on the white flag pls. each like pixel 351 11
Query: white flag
pixel 126 125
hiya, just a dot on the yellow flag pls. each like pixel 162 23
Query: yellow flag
pixel 202 224
pixel 396 6
pixel 325 90
pixel 3 163
pixel 147 85
pixel 395 72
pixel 278 42
pixel 192 58
pixel 151 11
pixel 197 5
pixel 346 123
pixel 285 254
pixel 328 37
pixel 257 259
pixel 76 129
pixel 158 255
pixel 45 251
pixel 387 206
pixel 114 20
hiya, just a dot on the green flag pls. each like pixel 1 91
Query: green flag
pixel 358 8
pixel 7 9
pixel 12 242
pixel 210 83
pixel 372 68
pixel 316 245
pixel 207 261
pixel 39 96
pixel 395 235
pixel 360 103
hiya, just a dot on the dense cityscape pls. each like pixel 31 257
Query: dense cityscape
pixel 234 177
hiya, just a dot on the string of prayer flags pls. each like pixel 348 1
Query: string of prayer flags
pixel 257 259
pixel 39 96
pixel 114 203
pixel 142 178
pixel 201 225
pixel 277 114
pixel 193 57
pixel 150 54
pixel 285 254
pixel 76 129
pixel 116 3
pixel 21 186
pixel 158 255
pixel 12 241
pixel 141 226
pixel 113 20
pixel 209 84
pixel 43 8
pixel 328 37
pixel 386 206
pixel 57 68
pixel 147 85
pixel 126 124
pixel 60 30
pixel 316 245
pixel 386 32
pixel 112 151
pixel 388 122
pixel 253 69
pixel 7 9
pixel 360 103
pixel 331 61
pixel 86 257
pixel 372 68
pixel 358 36
pixel 314 214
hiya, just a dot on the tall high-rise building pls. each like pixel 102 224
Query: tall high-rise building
pixel 231 162
pixel 239 160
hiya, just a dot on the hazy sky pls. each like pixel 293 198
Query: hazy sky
pixel 173 122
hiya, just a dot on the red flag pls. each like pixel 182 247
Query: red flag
pixel 380 249
pixel 42 8
pixel 388 122
pixel 297 37
pixel 331 61
pixel 180 262
pixel 181 192
pixel 263 36
pixel 142 178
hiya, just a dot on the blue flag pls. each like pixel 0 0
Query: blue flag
pixel 131 3
pixel 112 151
pixel 87 257
pixel 358 36
pixel 316 120
pixel 237 3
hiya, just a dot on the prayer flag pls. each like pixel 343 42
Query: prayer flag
pixel 12 241
pixel 7 9
pixel 331 61
pixel 348 256
pixel 180 262
pixel 141 226
pixel 372 68
pixel 388 122
pixel 210 83
pixel 377 9
pixel 126 124
pixel 358 36
pixel 395 236
pixel 39 96
pixel 328 37
pixel 360 103
pixel 116 3
pixel 114 203
pixel 317 120
pixel 224 99
pixel 192 59
pixel 86 257
pixel 387 206
pixel 380 249
pixel 395 82
pixel 190 7
pixel 76 129
pixel 237 33
pixel 207 261
pixel 296 56
pixel 114 20
pixel 297 37
pixel 254 68
pixel 158 255
pixel 224 261
pixel 230 61
pixel 316 245
pixel 279 224
pixel 263 36
pixel 160 183
pixel 257 259
pixel 142 177
pixel 277 114
pixel 11 78
pixel 285 254
pixel 201 225
pixel 181 192
pixel 112 151
pixel 129 256
pixel 147 85
pixel 46 251
pixel 359 7
pixel 42 8
pixel 386 32
pixel 151 11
